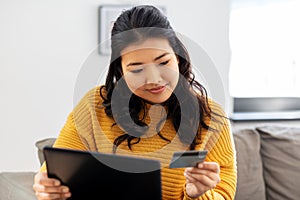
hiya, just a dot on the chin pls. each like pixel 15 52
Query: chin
pixel 157 100
pixel 154 99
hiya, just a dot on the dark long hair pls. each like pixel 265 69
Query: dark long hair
pixel 188 104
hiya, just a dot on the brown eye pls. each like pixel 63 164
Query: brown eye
pixel 136 70
pixel 164 63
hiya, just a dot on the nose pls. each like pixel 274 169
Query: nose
pixel 153 75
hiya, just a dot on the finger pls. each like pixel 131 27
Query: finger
pixel 52 196
pixel 47 181
pixel 194 178
pixel 203 179
pixel 48 196
pixel 189 177
pixel 50 189
pixel 42 178
pixel 193 184
pixel 212 166
pixel 212 175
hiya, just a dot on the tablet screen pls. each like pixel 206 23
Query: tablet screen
pixel 91 175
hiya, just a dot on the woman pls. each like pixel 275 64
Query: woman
pixel 151 106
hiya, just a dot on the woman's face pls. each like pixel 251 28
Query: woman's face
pixel 150 69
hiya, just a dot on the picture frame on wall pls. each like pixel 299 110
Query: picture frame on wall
pixel 107 15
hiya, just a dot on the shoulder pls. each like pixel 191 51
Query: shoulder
pixel 96 93
pixel 217 119
pixel 209 105
pixel 216 107
pixel 89 106
pixel 92 98
pixel 219 136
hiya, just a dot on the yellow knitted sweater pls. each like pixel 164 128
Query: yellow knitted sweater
pixel 89 128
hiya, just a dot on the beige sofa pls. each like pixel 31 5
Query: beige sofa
pixel 268 159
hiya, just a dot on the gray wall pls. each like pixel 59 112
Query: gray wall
pixel 43 47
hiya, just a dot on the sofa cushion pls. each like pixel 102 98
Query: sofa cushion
pixel 41 144
pixel 280 151
pixel 250 183
pixel 17 186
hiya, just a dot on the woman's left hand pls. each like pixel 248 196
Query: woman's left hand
pixel 203 177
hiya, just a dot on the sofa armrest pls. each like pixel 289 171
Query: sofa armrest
pixel 17 186
pixel 41 144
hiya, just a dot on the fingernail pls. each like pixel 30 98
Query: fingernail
pixel 65 190
pixel 56 183
pixel 188 169
pixel 200 165
pixel 68 195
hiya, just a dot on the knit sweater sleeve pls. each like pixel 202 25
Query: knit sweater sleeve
pixel 69 137
pixel 222 152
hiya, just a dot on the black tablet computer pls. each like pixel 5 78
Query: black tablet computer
pixel 93 175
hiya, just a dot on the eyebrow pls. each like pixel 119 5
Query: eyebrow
pixel 140 63
pixel 159 57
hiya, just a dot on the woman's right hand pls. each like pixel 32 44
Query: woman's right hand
pixel 49 188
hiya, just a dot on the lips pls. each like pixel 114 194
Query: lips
pixel 157 90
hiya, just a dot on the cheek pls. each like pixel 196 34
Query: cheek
pixel 134 82
pixel 171 74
